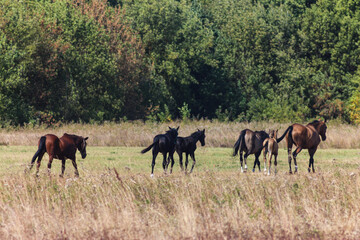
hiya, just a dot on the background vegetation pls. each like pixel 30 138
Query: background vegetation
pixel 91 61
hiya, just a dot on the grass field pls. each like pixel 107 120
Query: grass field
pixel 215 202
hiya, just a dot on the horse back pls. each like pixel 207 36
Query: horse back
pixel 305 136
pixel 165 144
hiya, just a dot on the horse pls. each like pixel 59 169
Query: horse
pixel 304 137
pixel 272 148
pixel 164 143
pixel 59 148
pixel 252 143
pixel 188 145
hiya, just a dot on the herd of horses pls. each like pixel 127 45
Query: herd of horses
pixel 249 142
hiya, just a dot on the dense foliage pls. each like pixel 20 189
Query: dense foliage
pixel 284 60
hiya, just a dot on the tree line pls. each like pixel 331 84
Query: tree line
pixel 244 60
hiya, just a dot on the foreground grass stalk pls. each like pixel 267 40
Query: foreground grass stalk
pixel 204 205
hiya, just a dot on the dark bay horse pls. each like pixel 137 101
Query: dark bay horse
pixel 188 145
pixel 60 148
pixel 252 143
pixel 304 137
pixel 164 143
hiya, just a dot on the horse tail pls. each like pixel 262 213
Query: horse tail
pixel 289 129
pixel 239 142
pixel 148 148
pixel 265 142
pixel 41 149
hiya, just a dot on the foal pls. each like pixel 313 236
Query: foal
pixel 187 145
pixel 272 147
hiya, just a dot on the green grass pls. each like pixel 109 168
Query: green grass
pixel 13 159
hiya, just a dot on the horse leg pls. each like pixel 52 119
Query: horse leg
pixel 295 153
pixel 155 153
pixel 245 158
pixel 289 145
pixel 49 164
pixel 75 166
pixel 38 163
pixel 257 161
pixel 275 163
pixel 311 160
pixel 62 167
pixel 164 162
pixel 241 161
pixel 186 161
pixel 269 163
pixel 192 155
pixel 172 162
pixel 181 160
pixel 264 153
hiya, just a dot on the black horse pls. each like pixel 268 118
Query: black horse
pixel 187 145
pixel 252 143
pixel 164 143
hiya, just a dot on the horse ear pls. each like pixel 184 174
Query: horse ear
pixel 86 138
pixel 325 120
pixel 204 130
pixel 177 129
pixel 169 127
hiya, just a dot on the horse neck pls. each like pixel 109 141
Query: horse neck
pixel 316 126
pixel 196 136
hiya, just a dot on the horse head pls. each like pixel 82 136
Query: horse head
pixel 322 129
pixel 173 132
pixel 202 137
pixel 82 147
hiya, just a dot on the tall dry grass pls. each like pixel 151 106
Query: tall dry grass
pixel 205 205
pixel 138 133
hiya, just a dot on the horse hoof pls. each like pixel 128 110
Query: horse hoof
pixel 152 175
pixel 309 170
pixel 290 172
pixel 61 175
pixel 253 170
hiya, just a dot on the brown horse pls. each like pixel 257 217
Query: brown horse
pixel 272 147
pixel 60 148
pixel 252 143
pixel 304 137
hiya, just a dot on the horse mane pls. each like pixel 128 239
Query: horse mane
pixel 196 134
pixel 315 122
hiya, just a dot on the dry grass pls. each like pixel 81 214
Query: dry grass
pixel 138 133
pixel 206 205
pixel 215 202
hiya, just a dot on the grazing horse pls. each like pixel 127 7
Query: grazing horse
pixel 252 143
pixel 188 145
pixel 304 137
pixel 164 143
pixel 272 147
pixel 60 148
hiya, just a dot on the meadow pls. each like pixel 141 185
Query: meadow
pixel 115 198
